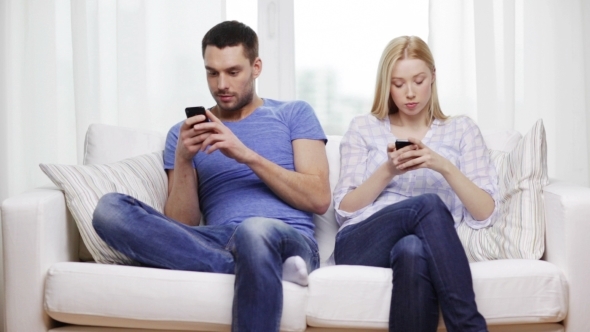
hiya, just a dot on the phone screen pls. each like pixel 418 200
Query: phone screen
pixel 192 111
pixel 400 143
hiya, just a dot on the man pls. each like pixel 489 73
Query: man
pixel 257 170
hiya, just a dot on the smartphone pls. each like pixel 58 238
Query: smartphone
pixel 400 143
pixel 192 111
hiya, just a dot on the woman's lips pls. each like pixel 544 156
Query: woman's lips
pixel 411 105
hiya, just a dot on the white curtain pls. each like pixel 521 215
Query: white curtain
pixel 507 63
pixel 67 64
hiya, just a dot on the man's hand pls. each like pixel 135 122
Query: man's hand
pixel 216 136
pixel 191 137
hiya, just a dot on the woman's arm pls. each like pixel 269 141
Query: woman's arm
pixel 478 202
pixel 354 190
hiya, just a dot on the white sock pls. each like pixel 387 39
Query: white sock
pixel 295 270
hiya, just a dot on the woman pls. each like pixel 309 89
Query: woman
pixel 399 208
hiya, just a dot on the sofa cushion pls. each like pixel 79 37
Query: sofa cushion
pixel 142 177
pixel 105 144
pixel 507 292
pixel 518 230
pixel 147 298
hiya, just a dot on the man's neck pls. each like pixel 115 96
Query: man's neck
pixel 237 115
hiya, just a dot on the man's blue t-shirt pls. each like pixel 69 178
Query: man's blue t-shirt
pixel 232 192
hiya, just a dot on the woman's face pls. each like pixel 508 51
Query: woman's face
pixel 411 86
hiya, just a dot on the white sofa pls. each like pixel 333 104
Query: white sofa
pixel 49 288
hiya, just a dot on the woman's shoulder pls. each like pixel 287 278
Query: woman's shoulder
pixel 365 119
pixel 459 122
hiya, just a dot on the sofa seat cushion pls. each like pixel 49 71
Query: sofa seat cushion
pixel 507 292
pixel 137 297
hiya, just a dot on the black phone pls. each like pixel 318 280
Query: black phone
pixel 192 111
pixel 400 143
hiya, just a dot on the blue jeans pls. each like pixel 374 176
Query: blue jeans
pixel 418 240
pixel 254 250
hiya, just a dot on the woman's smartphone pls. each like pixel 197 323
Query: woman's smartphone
pixel 400 143
pixel 192 111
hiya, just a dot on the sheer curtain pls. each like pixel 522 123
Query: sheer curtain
pixel 508 63
pixel 66 64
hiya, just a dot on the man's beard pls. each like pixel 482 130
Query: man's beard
pixel 244 100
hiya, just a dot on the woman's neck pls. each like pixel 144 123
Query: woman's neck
pixel 404 127
pixel 418 122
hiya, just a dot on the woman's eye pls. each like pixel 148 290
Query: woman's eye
pixel 420 82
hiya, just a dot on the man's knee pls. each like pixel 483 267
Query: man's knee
pixel 258 234
pixel 105 216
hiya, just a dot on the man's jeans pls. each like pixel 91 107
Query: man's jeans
pixel 254 250
pixel 418 240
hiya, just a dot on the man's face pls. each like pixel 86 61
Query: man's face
pixel 231 76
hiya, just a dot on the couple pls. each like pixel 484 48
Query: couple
pixel 257 171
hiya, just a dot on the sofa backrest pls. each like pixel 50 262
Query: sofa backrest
pixel 106 143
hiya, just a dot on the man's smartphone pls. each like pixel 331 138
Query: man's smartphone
pixel 400 143
pixel 192 111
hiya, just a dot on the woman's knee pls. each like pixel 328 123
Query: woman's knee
pixel 408 250
pixel 432 200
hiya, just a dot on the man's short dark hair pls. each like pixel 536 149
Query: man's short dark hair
pixel 232 33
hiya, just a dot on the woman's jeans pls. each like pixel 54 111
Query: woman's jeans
pixel 254 250
pixel 418 240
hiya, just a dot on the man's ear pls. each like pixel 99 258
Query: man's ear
pixel 257 67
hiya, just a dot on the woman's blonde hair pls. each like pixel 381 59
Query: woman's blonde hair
pixel 404 47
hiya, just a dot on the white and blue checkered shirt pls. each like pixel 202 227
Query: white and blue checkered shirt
pixel 364 148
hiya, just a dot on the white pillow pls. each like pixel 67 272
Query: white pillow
pixel 142 177
pixel 518 230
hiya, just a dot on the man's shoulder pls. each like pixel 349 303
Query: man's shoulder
pixel 175 129
pixel 286 105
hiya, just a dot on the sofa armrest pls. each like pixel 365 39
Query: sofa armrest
pixel 567 212
pixel 37 231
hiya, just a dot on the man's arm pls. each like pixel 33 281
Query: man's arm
pixel 183 200
pixel 307 188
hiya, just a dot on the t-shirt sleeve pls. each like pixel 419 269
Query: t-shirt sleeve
pixel 304 123
pixel 170 148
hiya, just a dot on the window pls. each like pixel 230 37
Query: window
pixel 338 44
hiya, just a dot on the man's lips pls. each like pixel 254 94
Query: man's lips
pixel 225 98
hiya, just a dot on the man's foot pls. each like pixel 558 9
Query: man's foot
pixel 295 270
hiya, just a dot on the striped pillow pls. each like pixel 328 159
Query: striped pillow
pixel 142 177
pixel 518 230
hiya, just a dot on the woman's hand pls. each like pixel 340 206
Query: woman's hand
pixel 417 156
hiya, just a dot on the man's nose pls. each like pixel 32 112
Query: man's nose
pixel 222 82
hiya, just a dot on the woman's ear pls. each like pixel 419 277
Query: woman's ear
pixel 433 75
